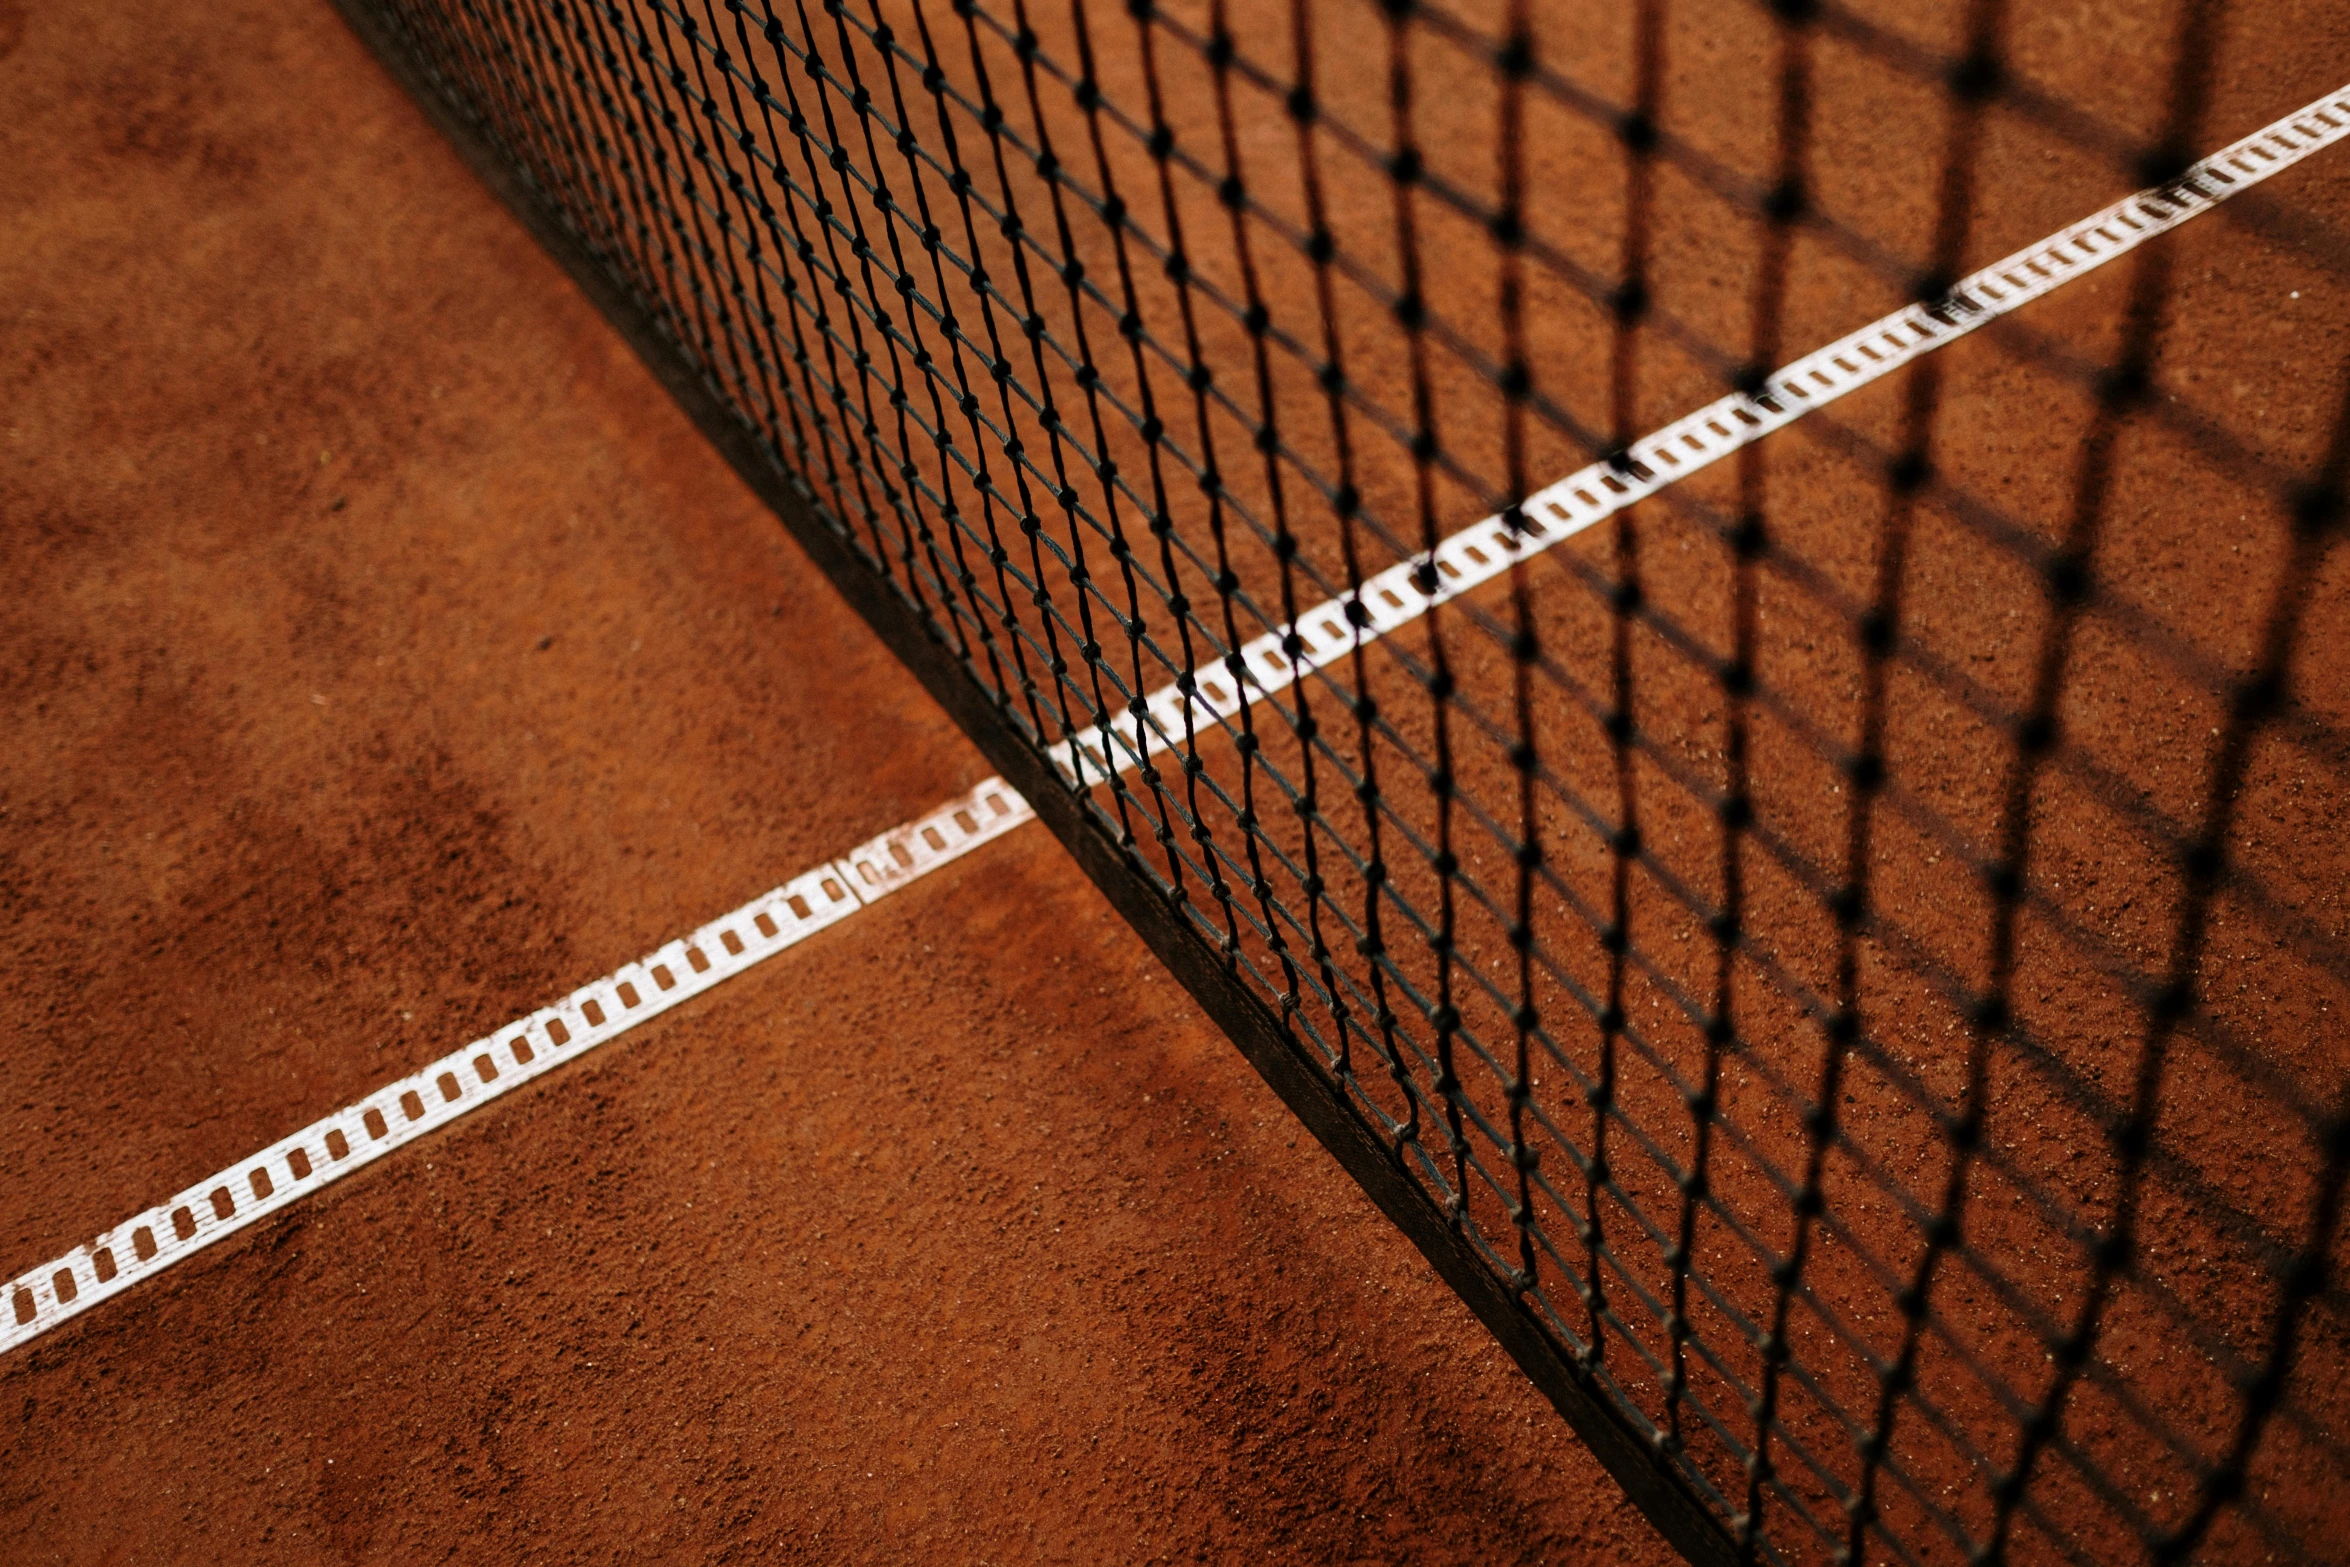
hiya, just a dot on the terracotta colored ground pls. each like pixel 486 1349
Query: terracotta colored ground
pixel 383 656
pixel 394 658
pixel 2190 551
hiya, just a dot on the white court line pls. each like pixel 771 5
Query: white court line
pixel 359 1134
pixel 399 1112
pixel 1484 551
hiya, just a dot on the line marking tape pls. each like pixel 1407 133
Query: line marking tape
pixel 1484 550
pixel 399 1112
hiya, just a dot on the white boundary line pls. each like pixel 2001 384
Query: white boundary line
pixel 1484 551
pixel 399 1112
pixel 498 1063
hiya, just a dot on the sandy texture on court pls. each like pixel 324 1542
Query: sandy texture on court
pixel 2192 543
pixel 2190 547
pixel 391 657
pixel 386 656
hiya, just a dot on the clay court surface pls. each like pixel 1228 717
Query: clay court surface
pixel 386 655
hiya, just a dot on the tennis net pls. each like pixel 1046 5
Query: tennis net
pixel 1840 962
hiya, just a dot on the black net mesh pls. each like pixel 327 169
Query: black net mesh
pixel 1853 943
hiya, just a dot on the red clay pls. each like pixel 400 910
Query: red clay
pixel 385 656
pixel 2190 550
pixel 392 657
